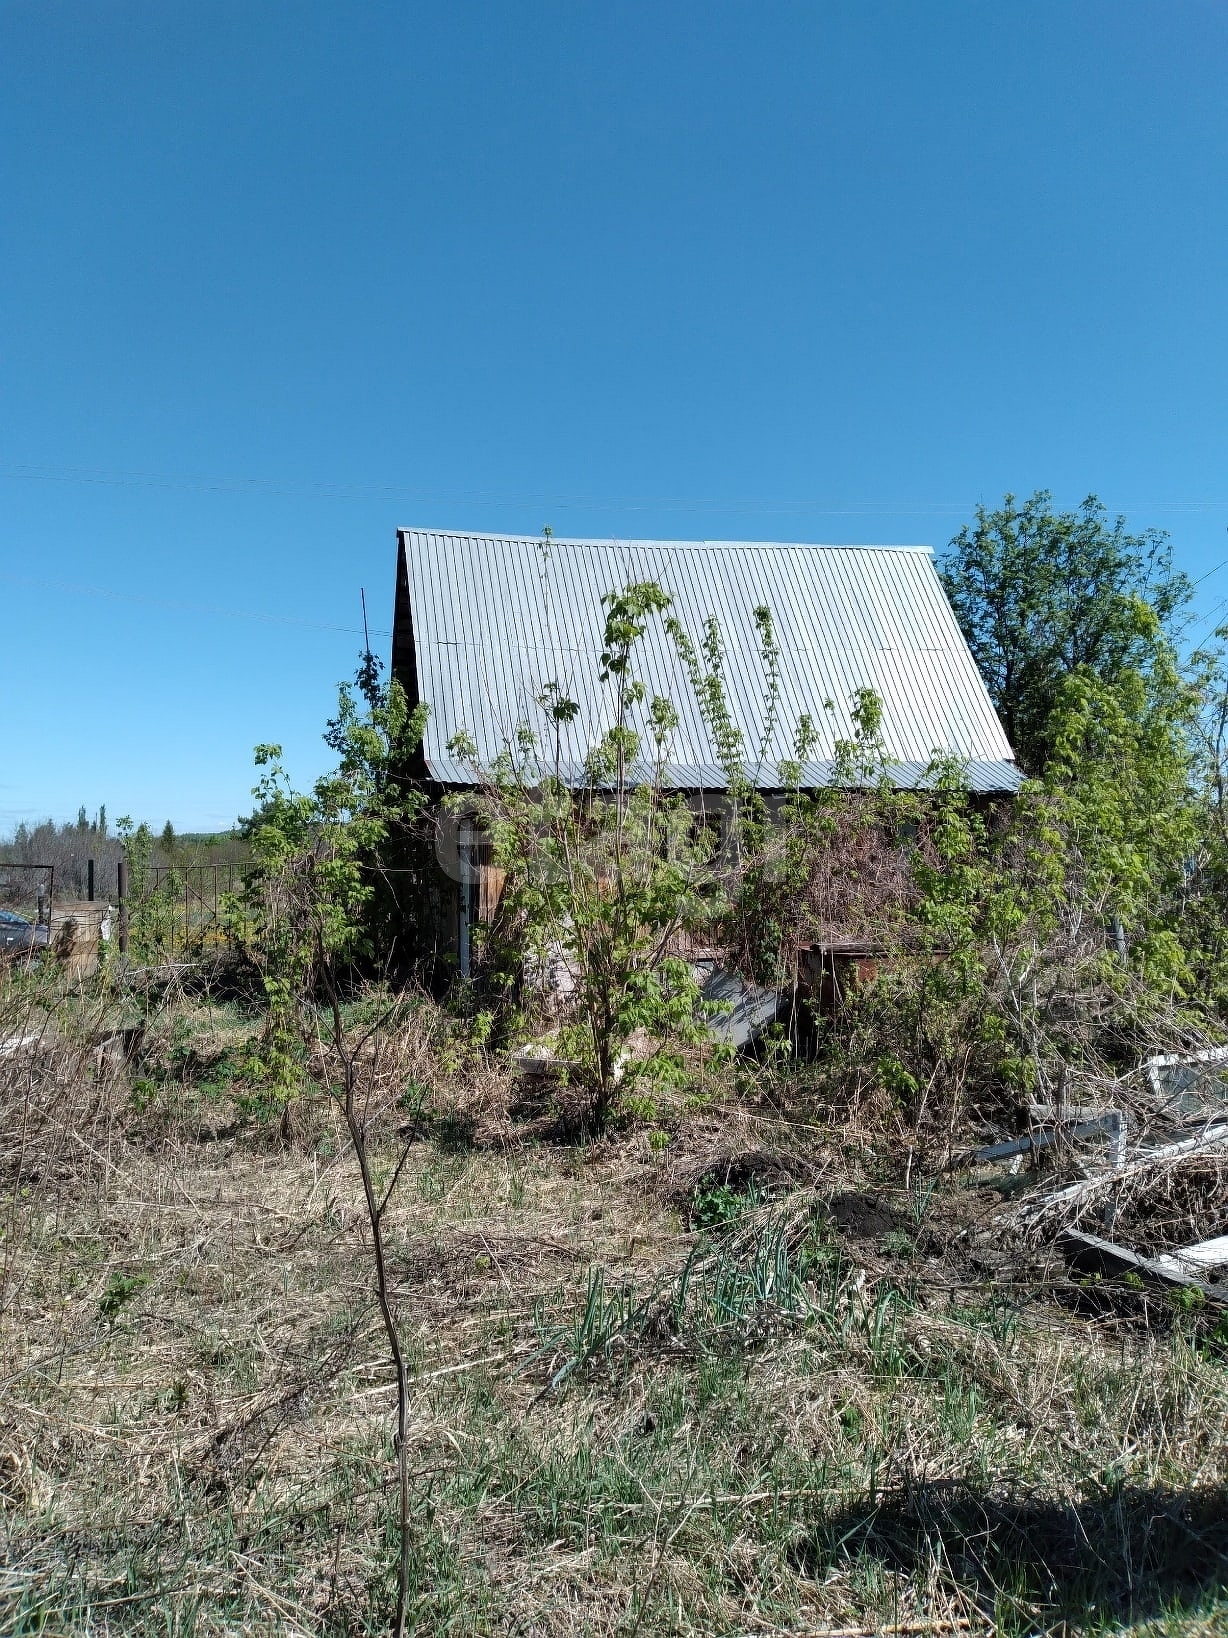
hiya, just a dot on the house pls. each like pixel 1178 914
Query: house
pixel 484 622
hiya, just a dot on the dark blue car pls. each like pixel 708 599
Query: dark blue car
pixel 18 935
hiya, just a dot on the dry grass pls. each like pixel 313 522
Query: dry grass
pixel 850 1409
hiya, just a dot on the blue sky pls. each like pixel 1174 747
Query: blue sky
pixel 276 278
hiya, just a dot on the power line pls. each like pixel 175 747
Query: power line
pixel 1209 573
pixel 419 494
pixel 1208 620
pixel 179 605
pixel 350 491
pixel 1204 620
pixel 392 492
pixel 80 475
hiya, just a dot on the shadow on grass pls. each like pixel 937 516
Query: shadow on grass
pixel 1124 1554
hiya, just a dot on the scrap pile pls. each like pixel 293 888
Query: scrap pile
pixel 1149 1203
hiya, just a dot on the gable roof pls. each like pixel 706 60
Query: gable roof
pixel 483 622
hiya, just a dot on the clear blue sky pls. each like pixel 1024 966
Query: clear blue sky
pixel 276 278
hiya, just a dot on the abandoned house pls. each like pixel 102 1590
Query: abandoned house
pixel 484 622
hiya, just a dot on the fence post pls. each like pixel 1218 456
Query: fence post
pixel 121 872
pixel 89 880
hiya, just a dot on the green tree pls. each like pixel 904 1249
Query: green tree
pixel 316 859
pixel 602 879
pixel 1041 594
pixel 615 877
pixel 1122 778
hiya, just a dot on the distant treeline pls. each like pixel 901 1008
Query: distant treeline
pixel 68 848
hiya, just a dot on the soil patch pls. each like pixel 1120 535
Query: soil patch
pixel 864 1216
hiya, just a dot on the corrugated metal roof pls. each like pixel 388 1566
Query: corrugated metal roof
pixel 496 617
pixel 984 778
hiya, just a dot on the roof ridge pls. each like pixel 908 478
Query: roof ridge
pixel 644 543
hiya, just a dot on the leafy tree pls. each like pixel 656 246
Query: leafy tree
pixel 154 894
pixel 1066 934
pixel 1041 594
pixel 613 880
pixel 602 880
pixel 316 860
pixel 1121 778
pixel 138 851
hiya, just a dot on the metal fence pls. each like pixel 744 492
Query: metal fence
pixel 178 912
pixel 183 912
pixel 28 889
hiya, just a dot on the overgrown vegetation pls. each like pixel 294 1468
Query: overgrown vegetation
pixel 831 1403
pixel 318 1315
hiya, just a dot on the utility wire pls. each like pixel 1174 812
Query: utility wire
pixel 182 606
pixel 1209 573
pixel 1208 620
pixel 280 486
pixel 179 605
pixel 348 491
pixel 1201 622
